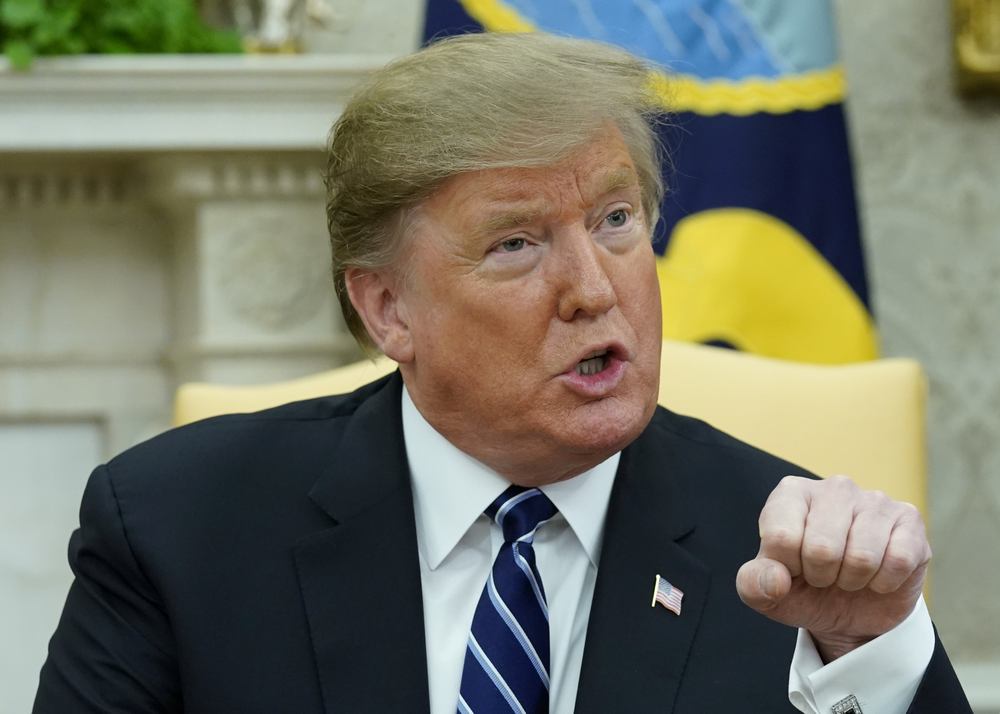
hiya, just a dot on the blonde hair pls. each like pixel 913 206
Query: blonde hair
pixel 468 103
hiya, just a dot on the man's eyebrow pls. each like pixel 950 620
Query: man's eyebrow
pixel 503 220
pixel 624 177
pixel 514 218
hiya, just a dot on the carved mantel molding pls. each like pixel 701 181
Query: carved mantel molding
pixel 170 102
pixel 179 178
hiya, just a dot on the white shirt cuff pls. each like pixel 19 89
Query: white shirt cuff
pixel 882 675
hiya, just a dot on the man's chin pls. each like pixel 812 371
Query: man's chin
pixel 603 429
pixel 576 443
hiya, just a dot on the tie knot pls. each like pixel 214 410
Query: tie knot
pixel 519 511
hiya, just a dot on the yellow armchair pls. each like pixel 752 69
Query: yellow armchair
pixel 865 420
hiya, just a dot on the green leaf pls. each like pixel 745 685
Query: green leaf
pixel 225 42
pixel 46 27
pixel 20 53
pixel 17 14
pixel 115 46
pixel 73 46
pixel 58 25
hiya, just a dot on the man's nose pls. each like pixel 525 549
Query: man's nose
pixel 586 286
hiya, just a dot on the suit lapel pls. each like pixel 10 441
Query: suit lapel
pixel 635 654
pixel 360 579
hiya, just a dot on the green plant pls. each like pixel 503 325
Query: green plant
pixel 67 27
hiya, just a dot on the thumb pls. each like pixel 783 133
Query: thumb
pixel 762 583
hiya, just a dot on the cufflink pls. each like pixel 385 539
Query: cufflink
pixel 847 705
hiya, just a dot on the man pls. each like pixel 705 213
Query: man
pixel 491 202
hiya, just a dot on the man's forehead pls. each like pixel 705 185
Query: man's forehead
pixel 505 188
pixel 511 203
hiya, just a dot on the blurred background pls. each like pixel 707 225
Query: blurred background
pixel 161 221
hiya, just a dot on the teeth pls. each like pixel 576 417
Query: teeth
pixel 591 365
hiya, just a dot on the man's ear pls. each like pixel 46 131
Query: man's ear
pixel 375 295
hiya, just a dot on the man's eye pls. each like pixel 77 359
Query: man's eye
pixel 511 245
pixel 617 219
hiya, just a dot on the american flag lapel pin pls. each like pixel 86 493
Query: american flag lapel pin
pixel 667 595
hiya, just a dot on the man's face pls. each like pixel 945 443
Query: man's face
pixel 532 309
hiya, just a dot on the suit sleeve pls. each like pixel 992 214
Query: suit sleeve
pixel 939 690
pixel 113 650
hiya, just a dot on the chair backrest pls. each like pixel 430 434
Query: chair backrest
pixel 866 420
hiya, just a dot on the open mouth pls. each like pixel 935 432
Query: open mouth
pixel 599 373
pixel 593 363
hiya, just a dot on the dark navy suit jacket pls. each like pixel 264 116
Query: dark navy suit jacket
pixel 268 563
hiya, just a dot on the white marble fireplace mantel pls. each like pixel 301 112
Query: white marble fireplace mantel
pixel 176 102
pixel 197 180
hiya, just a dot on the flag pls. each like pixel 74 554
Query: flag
pixel 667 595
pixel 759 246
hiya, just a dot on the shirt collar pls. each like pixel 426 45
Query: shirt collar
pixel 451 490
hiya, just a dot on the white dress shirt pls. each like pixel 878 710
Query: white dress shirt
pixel 882 675
pixel 457 545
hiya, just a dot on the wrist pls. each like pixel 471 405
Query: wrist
pixel 833 647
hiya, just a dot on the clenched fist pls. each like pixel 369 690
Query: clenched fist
pixel 845 564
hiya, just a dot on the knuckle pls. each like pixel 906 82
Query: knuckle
pixel 905 514
pixel 899 562
pixel 878 504
pixel 879 500
pixel 862 561
pixel 782 537
pixel 841 482
pixel 821 551
pixel 789 482
pixel 909 536
pixel 913 543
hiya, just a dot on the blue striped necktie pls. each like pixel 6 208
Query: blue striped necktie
pixel 507 659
